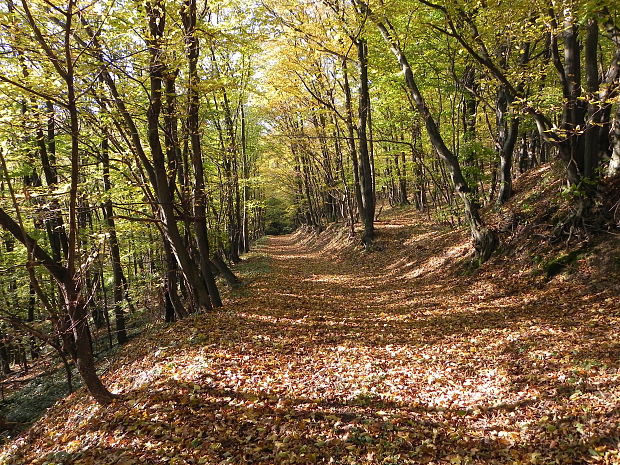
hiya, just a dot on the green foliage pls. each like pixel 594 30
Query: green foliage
pixel 578 191
pixel 556 265
pixel 31 401
pixel 278 217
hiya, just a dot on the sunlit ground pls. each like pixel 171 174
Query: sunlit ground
pixel 391 357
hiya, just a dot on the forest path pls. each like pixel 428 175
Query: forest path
pixel 329 354
pixel 422 359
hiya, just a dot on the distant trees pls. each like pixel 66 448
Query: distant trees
pixel 143 147
pixel 496 90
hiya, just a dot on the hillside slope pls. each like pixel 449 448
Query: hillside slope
pixel 405 354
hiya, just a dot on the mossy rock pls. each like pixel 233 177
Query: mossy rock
pixel 557 265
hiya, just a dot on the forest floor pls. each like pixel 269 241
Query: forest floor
pixel 401 355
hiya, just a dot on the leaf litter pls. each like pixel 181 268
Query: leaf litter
pixel 396 356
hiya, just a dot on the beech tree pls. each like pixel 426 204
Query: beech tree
pixel 144 146
pixel 74 91
pixel 60 55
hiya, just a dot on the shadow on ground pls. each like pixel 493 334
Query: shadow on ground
pixel 332 355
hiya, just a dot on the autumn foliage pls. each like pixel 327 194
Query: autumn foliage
pixel 401 355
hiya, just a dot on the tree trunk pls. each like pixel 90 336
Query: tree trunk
pixel 613 169
pixel 571 149
pixel 188 14
pixel 81 351
pixel 226 272
pixel 74 302
pixel 365 166
pixel 193 277
pixel 595 113
pixel 117 269
pixel 75 332
pixel 5 359
pixel 507 138
pixel 484 239
pixel 171 285
pixel 351 139
pixel 245 237
pixel 469 110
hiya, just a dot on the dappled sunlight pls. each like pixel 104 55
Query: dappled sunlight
pixel 436 262
pixel 394 358
pixel 330 279
pixel 425 237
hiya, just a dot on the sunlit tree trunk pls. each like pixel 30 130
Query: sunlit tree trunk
pixel 188 14
pixel 485 240
pixel 365 166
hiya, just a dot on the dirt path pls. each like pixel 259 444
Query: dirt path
pixel 392 357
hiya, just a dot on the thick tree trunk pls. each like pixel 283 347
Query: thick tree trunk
pixel 571 147
pixel 54 225
pixel 236 238
pixel 402 178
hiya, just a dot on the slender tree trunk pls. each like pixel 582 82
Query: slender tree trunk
pixel 329 208
pixel 117 269
pixel 613 168
pixel 231 170
pixel 74 302
pixel 188 14
pixel 365 166
pixel 5 358
pixel 351 140
pixel 484 239
pixel 245 237
pixel 194 279
pixel 469 111
pixel 74 330
pixel 508 132
pixel 350 215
